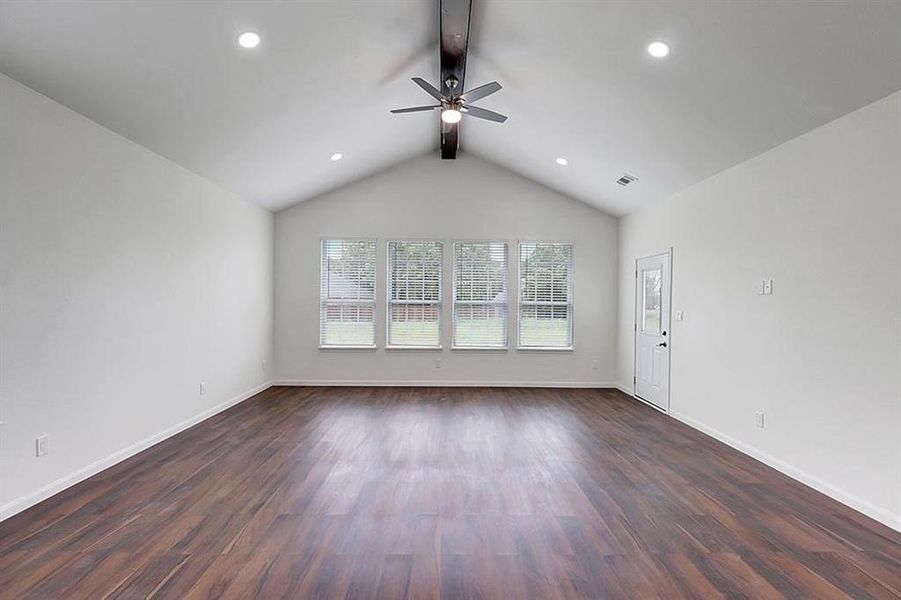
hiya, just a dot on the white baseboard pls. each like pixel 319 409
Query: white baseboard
pixel 19 504
pixel 880 514
pixel 624 389
pixel 434 383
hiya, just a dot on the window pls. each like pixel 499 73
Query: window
pixel 347 293
pixel 480 295
pixel 414 294
pixel 650 301
pixel 545 295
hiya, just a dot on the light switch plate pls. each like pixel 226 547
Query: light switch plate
pixel 42 445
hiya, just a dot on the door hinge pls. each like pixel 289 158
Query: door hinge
pixel 634 379
pixel 634 326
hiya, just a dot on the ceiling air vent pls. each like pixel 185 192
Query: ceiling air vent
pixel 626 179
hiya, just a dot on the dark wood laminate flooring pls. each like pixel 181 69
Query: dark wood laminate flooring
pixel 452 493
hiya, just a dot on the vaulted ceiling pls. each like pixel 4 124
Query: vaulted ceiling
pixel 578 83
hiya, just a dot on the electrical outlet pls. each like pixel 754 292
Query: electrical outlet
pixel 42 445
pixel 202 388
pixel 594 364
pixel 758 416
pixel 263 366
pixel 437 363
pixel 680 315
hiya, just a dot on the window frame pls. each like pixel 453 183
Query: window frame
pixel 375 289
pixel 643 321
pixel 506 345
pixel 570 304
pixel 389 288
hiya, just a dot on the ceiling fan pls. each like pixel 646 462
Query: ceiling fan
pixel 454 17
pixel 454 107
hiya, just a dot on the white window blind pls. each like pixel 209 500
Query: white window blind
pixel 347 293
pixel 414 294
pixel 480 295
pixel 545 295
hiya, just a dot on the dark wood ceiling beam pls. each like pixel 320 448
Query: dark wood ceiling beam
pixel 454 34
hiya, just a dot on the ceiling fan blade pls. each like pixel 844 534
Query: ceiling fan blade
pixel 481 91
pixel 481 113
pixel 429 88
pixel 398 111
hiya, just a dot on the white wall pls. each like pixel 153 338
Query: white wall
pixel 430 198
pixel 821 357
pixel 125 281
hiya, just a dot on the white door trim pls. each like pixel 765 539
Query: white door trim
pixel 669 290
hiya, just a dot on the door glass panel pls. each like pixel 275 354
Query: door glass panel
pixel 651 310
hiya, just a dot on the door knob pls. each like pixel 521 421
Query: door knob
pixel 661 345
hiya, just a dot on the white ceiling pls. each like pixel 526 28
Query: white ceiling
pixel 742 78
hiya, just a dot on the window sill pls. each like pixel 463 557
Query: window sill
pixel 479 348
pixel 357 348
pixel 545 348
pixel 426 348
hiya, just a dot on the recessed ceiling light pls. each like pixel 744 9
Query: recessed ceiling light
pixel 562 161
pixel 658 49
pixel 337 156
pixel 249 39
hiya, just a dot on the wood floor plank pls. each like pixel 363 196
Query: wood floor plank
pixel 444 493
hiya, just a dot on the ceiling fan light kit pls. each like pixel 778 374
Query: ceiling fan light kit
pixel 454 18
pixel 451 115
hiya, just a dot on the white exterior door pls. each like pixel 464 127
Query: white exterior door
pixel 652 328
